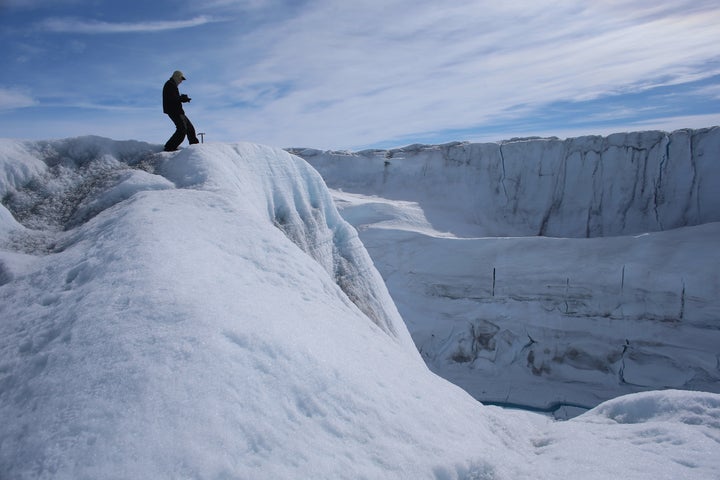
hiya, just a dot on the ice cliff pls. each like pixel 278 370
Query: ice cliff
pixel 591 186
pixel 484 249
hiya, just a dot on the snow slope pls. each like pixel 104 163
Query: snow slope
pixel 545 322
pixel 207 314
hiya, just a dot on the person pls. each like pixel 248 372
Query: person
pixel 172 106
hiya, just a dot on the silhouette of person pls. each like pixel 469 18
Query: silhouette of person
pixel 172 106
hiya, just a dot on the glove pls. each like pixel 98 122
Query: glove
pixel 184 98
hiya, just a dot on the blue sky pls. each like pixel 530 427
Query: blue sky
pixel 352 75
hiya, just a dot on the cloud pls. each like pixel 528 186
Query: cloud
pixel 712 92
pixel 12 99
pixel 32 4
pixel 74 25
pixel 337 74
pixel 666 124
pixel 365 71
pixel 242 4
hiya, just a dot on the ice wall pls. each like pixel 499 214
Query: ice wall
pixel 516 317
pixel 580 187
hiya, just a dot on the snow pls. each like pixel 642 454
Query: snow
pixel 209 314
pixel 580 187
pixel 559 323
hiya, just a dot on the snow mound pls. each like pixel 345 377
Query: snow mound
pixel 207 314
pixel 676 429
pixel 79 178
pixel 668 406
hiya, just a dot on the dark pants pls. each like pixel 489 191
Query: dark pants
pixel 183 127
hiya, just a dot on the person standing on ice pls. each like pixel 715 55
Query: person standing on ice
pixel 172 106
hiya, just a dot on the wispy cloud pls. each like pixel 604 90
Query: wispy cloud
pixel 338 74
pixel 378 69
pixel 711 92
pixel 32 4
pixel 76 25
pixel 11 99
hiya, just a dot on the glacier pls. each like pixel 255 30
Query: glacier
pixel 209 314
pixel 543 273
pixel 591 186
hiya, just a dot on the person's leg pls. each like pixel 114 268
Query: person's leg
pixel 179 135
pixel 192 137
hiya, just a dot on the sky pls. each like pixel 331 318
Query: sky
pixel 332 74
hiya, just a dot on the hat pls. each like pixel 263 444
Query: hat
pixel 178 75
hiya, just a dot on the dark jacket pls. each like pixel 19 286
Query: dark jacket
pixel 172 105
